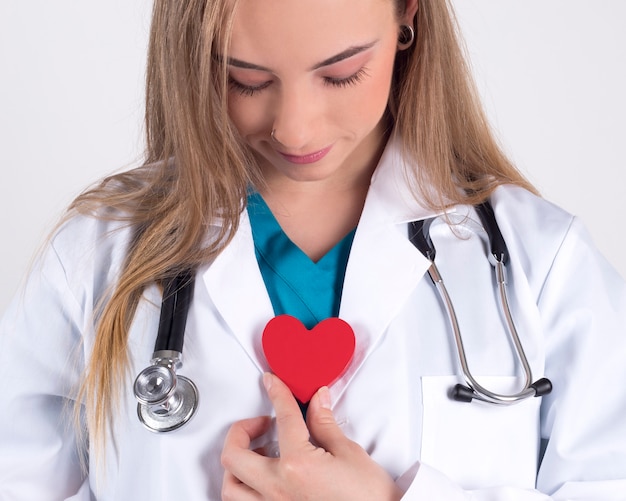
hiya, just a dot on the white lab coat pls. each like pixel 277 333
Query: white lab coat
pixel 569 306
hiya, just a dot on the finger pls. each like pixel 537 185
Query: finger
pixel 252 469
pixel 322 425
pixel 237 459
pixel 290 426
pixel 243 432
pixel 233 489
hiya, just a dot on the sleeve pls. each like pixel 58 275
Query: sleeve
pixel 583 306
pixel 583 421
pixel 41 344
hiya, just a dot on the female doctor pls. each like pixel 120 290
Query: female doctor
pixel 290 144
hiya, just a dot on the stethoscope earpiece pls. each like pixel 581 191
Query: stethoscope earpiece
pixel 542 386
pixel 462 393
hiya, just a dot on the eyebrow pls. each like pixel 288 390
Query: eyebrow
pixel 352 51
pixel 349 52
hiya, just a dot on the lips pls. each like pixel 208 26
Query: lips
pixel 309 158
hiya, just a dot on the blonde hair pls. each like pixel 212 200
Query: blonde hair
pixel 197 169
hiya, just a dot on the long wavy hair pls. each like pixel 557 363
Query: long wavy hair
pixel 197 170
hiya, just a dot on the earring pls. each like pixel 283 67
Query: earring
pixel 406 36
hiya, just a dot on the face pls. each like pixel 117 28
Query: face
pixel 318 73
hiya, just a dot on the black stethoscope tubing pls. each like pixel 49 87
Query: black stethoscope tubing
pixel 167 400
pixel 177 297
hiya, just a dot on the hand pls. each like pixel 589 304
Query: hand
pixel 337 469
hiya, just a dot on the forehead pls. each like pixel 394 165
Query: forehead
pixel 268 31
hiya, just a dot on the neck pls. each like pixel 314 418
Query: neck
pixel 316 215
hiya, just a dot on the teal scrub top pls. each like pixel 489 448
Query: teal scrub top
pixel 297 286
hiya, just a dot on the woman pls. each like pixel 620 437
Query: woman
pixel 289 145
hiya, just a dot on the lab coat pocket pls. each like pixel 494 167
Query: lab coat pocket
pixel 478 444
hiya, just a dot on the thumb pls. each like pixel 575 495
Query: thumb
pixel 322 425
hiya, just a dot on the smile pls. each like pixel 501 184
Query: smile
pixel 309 158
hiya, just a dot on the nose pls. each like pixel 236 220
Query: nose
pixel 296 117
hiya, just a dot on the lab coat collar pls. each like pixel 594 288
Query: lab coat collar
pixel 383 269
pixel 390 188
pixel 384 266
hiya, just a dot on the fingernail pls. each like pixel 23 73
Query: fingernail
pixel 267 381
pixel 324 396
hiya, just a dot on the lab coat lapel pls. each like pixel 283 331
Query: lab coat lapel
pixel 383 269
pixel 384 266
pixel 238 292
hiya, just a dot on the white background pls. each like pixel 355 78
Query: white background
pixel 552 74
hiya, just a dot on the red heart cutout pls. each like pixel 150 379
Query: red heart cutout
pixel 305 360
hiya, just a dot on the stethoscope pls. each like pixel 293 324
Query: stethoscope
pixel 167 401
pixel 419 234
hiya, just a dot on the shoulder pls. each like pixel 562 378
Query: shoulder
pixel 79 234
pixel 524 214
pixel 72 275
pixel 86 255
pixel 543 237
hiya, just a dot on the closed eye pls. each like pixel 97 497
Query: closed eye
pixel 353 79
pixel 247 90
pixel 251 90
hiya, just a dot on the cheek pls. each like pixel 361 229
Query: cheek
pixel 368 103
pixel 247 115
pixel 378 95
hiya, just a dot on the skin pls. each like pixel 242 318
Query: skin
pixel 337 468
pixel 281 80
pixel 318 73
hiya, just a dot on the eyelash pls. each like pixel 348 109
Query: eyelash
pixel 247 90
pixel 346 82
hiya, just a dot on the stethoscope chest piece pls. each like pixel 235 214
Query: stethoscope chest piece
pixel 166 400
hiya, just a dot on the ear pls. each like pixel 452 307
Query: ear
pixel 410 11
